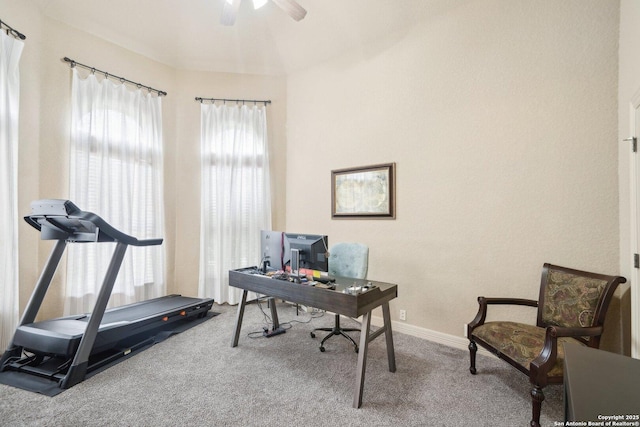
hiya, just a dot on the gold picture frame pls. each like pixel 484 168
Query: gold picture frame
pixel 364 192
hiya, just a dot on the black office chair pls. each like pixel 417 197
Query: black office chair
pixel 345 260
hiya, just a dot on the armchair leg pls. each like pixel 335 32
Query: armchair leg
pixel 473 349
pixel 537 397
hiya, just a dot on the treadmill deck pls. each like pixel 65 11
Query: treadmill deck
pixel 62 336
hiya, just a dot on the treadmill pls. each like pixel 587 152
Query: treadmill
pixel 64 350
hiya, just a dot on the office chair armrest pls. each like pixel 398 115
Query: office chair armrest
pixel 484 302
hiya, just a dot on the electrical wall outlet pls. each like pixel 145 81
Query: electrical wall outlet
pixel 403 314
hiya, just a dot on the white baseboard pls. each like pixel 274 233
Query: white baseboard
pixel 461 343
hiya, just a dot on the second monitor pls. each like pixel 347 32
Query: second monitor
pixel 312 249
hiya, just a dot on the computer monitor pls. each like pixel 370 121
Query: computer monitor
pixel 274 248
pixel 312 250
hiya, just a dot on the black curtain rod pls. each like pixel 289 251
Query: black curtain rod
pixel 107 75
pixel 13 32
pixel 255 101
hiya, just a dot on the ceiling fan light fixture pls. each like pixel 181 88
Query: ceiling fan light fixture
pixel 257 4
pixel 230 9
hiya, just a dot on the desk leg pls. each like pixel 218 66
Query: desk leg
pixel 239 316
pixel 391 355
pixel 362 359
pixel 274 313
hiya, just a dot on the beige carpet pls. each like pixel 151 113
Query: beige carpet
pixel 197 379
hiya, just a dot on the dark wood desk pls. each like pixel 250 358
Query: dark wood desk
pixel 599 384
pixel 336 301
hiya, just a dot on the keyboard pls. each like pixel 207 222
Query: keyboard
pixel 324 285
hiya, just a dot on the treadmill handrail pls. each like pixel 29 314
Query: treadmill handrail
pixel 59 217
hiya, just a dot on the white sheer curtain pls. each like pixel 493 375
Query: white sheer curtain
pixel 10 52
pixel 116 172
pixel 236 196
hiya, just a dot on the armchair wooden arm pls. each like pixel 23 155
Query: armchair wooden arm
pixel 484 302
pixel 541 365
pixel 591 331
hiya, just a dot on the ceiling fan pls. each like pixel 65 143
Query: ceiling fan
pixel 291 7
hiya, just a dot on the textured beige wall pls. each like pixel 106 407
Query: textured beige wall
pixel 502 119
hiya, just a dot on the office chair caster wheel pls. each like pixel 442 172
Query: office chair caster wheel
pixel 312 335
pixel 322 349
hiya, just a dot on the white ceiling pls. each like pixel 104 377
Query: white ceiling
pixel 187 34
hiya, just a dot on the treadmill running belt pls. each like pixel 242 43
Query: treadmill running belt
pixel 145 309
pixel 62 336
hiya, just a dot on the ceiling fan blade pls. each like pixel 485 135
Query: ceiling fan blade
pixel 292 8
pixel 229 12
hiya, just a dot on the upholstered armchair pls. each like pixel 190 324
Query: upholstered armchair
pixel 571 308
pixel 345 260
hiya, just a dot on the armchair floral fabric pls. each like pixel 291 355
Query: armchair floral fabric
pixel 521 342
pixel 571 300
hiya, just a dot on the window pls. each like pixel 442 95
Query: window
pixel 10 52
pixel 116 172
pixel 236 196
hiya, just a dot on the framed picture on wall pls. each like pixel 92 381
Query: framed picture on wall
pixel 364 192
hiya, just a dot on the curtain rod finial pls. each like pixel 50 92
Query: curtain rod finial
pixel 71 62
